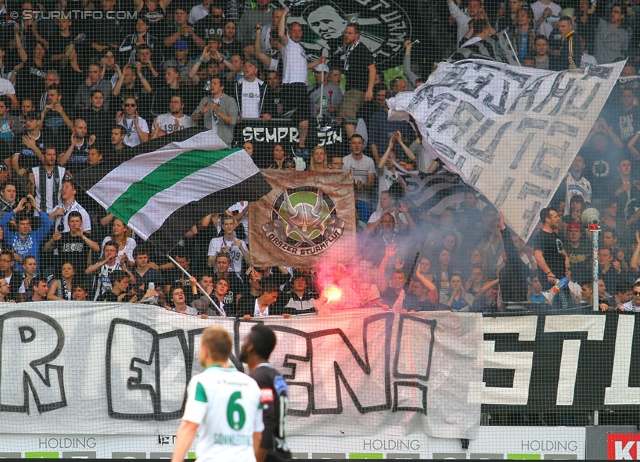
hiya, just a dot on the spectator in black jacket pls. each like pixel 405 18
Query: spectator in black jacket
pixel 568 49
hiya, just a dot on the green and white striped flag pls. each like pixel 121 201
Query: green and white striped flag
pixel 168 184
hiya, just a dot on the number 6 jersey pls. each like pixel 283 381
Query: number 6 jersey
pixel 226 405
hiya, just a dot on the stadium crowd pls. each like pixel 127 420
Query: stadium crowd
pixel 74 92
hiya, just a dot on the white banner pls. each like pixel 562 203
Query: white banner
pixel 511 132
pixel 123 369
pixel 493 443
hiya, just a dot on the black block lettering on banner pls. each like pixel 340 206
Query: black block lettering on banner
pixel 481 82
pixel 454 77
pixel 579 112
pixel 518 77
pixel 529 94
pixel 530 215
pixel 328 399
pixel 600 72
pixel 475 175
pixel 586 346
pixel 436 113
pixel 540 168
pixel 139 388
pixel 486 155
pixel 526 124
pixel 39 340
pixel 533 189
pixel 456 120
pixel 561 127
pixel 427 339
pixel 444 149
pixel 556 92
pixel 397 386
pixel 557 362
pixel 134 369
pixel 426 92
pixel 501 107
pixel 507 183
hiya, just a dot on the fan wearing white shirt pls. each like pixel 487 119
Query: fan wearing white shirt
pixel 295 75
pixel 173 120
pixel 136 128
pixel 250 93
pixel 60 214
pixel 7 89
pixel 634 303
pixel 541 10
pixel 199 11
pixel 230 244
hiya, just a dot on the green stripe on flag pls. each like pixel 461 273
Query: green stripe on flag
pixel 166 175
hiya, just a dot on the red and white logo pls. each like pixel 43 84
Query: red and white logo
pixel 623 446
pixel 266 395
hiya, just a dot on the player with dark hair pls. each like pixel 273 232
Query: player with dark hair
pixel 255 352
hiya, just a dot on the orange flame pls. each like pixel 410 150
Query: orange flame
pixel 333 293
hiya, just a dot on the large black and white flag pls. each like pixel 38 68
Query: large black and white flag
pixel 162 188
pixel 510 132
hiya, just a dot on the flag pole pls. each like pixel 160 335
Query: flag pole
pixel 412 270
pixel 222 313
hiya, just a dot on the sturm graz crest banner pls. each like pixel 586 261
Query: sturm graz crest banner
pixel 305 217
pixel 385 25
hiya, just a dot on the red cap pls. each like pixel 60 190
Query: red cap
pixel 574 225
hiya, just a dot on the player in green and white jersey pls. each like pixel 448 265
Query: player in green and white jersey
pixel 223 403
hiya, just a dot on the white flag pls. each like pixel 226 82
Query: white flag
pixel 511 132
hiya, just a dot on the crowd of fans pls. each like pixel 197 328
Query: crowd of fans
pixel 74 92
